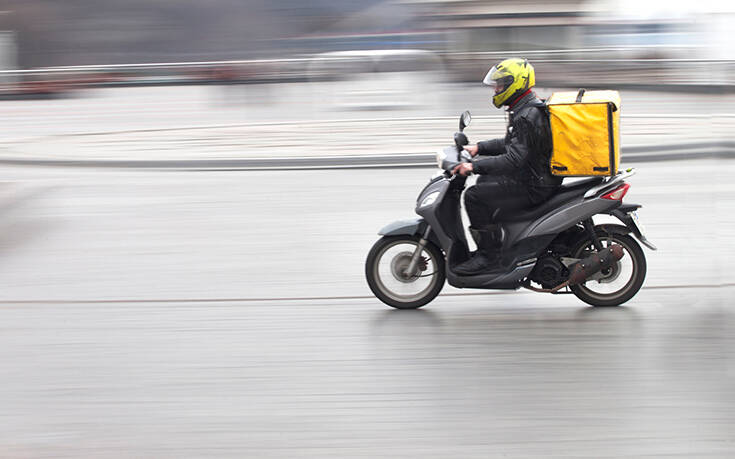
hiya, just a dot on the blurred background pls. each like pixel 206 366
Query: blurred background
pixel 189 191
pixel 89 44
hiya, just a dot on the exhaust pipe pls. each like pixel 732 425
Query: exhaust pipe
pixel 584 269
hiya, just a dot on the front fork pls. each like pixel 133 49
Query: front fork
pixel 417 253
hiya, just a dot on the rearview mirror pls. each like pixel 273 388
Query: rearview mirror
pixel 464 120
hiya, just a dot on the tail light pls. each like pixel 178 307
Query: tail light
pixel 617 194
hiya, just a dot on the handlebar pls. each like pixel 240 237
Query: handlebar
pixel 463 157
pixel 460 140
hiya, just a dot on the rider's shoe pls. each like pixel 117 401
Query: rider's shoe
pixel 489 241
pixel 478 264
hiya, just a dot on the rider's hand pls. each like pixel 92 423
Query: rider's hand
pixel 472 150
pixel 463 169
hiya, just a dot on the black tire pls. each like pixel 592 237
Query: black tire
pixel 633 250
pixel 384 294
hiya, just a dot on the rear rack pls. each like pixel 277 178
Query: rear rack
pixel 609 183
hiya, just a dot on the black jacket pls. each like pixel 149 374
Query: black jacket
pixel 523 155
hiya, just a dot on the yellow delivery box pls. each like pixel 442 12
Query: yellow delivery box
pixel 585 130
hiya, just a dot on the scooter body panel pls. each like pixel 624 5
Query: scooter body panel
pixel 443 215
pixel 567 216
pixel 524 240
pixel 499 281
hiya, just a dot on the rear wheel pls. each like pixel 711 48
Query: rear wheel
pixel 386 270
pixel 619 283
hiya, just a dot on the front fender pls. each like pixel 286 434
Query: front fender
pixel 408 227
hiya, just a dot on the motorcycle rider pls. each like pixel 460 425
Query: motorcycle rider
pixel 514 171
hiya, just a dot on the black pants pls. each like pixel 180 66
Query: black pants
pixel 491 194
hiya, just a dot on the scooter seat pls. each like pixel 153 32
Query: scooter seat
pixel 585 183
pixel 566 193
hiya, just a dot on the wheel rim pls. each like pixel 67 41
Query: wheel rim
pixel 617 280
pixel 390 272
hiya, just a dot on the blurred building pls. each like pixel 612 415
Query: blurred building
pixel 569 41
pixel 8 50
pixel 85 32
pixel 505 26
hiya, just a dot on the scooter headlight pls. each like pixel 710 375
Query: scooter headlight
pixel 440 157
pixel 429 199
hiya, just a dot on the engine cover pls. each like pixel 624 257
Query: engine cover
pixel 549 272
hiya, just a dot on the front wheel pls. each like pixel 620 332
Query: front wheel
pixel 387 273
pixel 617 284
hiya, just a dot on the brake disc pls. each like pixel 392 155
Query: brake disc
pixel 609 277
pixel 400 263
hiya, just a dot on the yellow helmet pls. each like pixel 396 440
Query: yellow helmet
pixel 510 78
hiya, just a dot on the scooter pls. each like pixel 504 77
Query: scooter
pixel 552 248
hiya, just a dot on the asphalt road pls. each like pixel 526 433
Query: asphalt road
pixel 225 314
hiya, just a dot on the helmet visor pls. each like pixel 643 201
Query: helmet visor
pixel 498 80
